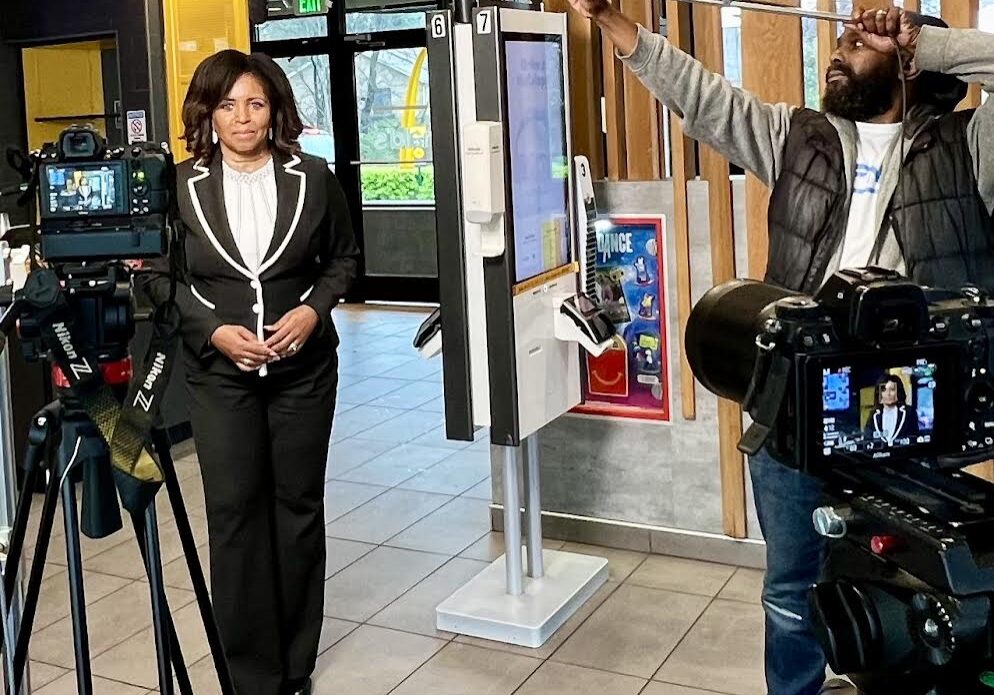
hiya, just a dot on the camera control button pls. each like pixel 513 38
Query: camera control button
pixel 981 397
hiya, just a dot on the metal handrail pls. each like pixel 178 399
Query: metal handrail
pixel 775 9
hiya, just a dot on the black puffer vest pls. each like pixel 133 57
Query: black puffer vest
pixel 942 225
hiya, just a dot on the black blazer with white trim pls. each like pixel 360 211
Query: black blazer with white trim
pixel 312 259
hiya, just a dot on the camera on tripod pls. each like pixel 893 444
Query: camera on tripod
pixel 99 203
pixel 98 207
pixel 882 389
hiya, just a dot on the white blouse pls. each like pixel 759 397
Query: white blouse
pixel 250 201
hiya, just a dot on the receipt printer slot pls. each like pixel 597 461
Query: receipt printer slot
pixel 580 320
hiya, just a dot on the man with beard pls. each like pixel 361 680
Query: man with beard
pixel 841 198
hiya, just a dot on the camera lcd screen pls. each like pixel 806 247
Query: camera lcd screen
pixel 81 190
pixel 885 405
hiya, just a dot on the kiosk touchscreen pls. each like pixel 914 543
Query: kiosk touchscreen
pixel 539 157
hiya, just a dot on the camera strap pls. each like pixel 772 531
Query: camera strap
pixel 765 396
pixel 148 388
pixel 137 473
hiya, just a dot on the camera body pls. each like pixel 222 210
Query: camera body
pixel 876 368
pixel 882 390
pixel 103 204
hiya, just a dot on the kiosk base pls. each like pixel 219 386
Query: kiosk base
pixel 483 608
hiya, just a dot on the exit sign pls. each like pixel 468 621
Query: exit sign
pixel 305 7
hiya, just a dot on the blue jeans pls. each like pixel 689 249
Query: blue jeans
pixel 785 499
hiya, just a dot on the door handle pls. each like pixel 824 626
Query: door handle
pixel 364 41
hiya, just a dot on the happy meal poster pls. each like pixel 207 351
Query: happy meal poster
pixel 631 379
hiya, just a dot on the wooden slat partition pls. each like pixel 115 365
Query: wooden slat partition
pixel 773 75
pixel 708 47
pixel 682 153
pixel 614 113
pixel 585 87
pixel 827 36
pixel 644 139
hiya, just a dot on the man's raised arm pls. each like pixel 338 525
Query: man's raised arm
pixel 744 129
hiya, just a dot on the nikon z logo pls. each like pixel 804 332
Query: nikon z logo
pixel 65 340
pixel 142 398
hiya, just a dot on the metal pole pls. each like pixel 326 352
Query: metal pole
pixel 512 521
pixel 533 508
pixel 8 461
pixel 774 9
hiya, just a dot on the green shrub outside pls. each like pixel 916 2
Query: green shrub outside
pixel 416 185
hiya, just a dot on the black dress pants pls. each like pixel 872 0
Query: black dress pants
pixel 263 444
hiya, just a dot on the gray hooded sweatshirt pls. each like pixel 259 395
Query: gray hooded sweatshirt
pixel 752 133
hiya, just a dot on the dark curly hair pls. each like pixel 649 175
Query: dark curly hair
pixel 213 81
pixel 902 394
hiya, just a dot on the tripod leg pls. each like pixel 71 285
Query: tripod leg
pixel 37 573
pixel 196 572
pixel 176 651
pixel 42 425
pixel 161 619
pixel 81 640
pixel 19 533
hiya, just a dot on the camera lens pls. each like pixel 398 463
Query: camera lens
pixel 721 335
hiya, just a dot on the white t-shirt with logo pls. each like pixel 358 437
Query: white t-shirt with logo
pixel 873 151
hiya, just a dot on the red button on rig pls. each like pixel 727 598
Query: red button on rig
pixel 885 545
pixel 114 373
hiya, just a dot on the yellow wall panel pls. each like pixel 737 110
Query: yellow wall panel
pixel 195 30
pixel 64 80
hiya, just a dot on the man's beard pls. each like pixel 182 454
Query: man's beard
pixel 860 98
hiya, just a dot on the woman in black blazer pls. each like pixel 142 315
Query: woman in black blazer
pixel 892 421
pixel 269 252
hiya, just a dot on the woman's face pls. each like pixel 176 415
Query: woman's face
pixel 243 118
pixel 888 393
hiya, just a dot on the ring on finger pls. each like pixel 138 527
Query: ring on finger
pixel 293 347
pixel 246 361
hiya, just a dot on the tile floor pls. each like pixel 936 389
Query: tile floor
pixel 407 525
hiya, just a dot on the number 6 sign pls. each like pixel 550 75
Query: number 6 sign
pixel 438 27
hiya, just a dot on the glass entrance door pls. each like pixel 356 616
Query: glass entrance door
pixel 360 80
pixel 395 168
